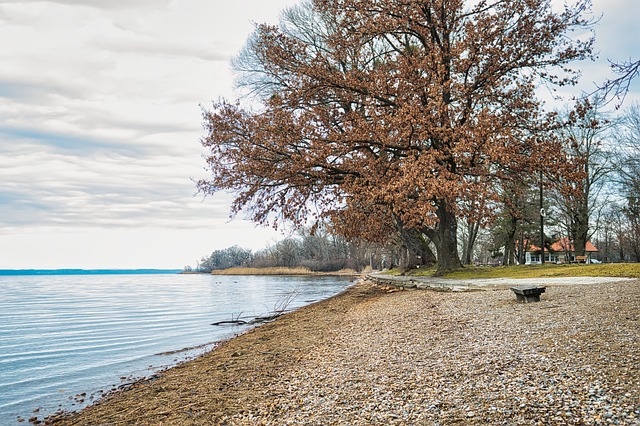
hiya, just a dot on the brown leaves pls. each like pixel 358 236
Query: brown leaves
pixel 393 109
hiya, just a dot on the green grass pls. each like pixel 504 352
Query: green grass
pixel 537 271
pixel 549 270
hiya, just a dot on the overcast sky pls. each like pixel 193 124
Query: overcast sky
pixel 100 123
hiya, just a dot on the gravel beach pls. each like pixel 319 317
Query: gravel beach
pixel 376 355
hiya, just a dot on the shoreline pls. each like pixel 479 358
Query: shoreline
pixel 100 337
pixel 222 350
pixel 382 355
pixel 276 271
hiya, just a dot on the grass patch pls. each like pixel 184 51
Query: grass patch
pixel 631 270
pixel 422 272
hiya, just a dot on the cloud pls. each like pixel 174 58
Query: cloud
pixel 61 142
pixel 100 125
pixel 210 52
pixel 20 91
pixel 616 33
pixel 106 190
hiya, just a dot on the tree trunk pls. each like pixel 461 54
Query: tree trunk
pixel 634 238
pixel 521 250
pixel 510 242
pixel 415 251
pixel 473 228
pixel 445 237
pixel 580 232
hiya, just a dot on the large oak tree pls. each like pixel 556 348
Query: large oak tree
pixel 393 116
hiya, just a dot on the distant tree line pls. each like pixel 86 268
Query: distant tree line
pixel 226 258
pixel 318 251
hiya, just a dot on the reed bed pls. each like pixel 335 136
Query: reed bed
pixel 263 271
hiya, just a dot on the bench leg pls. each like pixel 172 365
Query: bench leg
pixel 528 299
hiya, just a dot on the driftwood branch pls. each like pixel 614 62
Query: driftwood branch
pixel 279 308
pixel 256 320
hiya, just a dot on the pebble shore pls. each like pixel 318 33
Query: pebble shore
pixel 378 355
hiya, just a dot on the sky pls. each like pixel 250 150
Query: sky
pixel 100 122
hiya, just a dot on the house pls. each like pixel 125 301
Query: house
pixel 561 251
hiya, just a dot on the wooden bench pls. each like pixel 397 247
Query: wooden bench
pixel 581 259
pixel 528 293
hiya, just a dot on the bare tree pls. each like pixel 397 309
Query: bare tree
pixel 618 87
pixel 226 258
pixel 628 174
pixel 581 199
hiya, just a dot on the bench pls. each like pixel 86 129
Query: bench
pixel 581 259
pixel 528 293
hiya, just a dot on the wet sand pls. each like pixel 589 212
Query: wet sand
pixel 376 356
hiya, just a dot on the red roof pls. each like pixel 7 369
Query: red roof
pixel 563 244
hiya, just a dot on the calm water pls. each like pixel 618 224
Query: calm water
pixel 65 339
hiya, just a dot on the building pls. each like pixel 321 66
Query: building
pixel 561 251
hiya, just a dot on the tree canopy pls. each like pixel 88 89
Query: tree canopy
pixel 394 117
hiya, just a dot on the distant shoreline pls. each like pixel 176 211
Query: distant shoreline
pixel 281 271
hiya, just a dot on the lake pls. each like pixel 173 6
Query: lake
pixel 66 339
